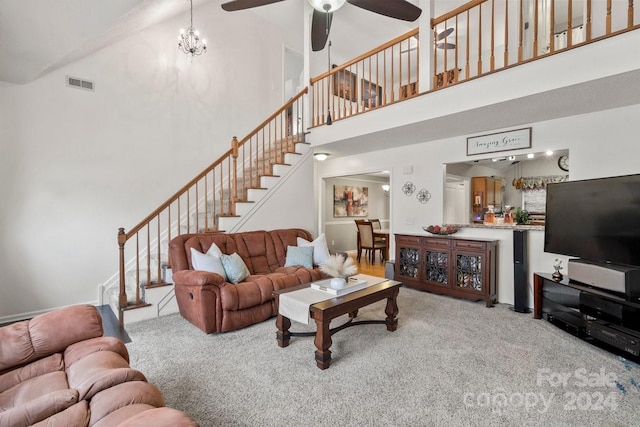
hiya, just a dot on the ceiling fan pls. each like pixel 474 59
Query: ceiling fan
pixel 443 35
pixel 323 13
pixel 442 45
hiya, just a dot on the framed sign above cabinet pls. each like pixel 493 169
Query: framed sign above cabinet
pixel 501 141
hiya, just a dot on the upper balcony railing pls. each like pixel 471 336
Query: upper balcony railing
pixel 478 38
pixel 382 76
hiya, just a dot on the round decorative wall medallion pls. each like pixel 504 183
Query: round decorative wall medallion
pixel 408 188
pixel 423 196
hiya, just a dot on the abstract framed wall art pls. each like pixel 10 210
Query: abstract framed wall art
pixel 350 201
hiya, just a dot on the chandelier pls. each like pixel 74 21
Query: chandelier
pixel 189 41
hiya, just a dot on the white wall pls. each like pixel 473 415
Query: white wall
pixel 76 165
pixel 291 205
pixel 595 149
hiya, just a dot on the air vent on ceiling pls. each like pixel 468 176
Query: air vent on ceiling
pixel 79 83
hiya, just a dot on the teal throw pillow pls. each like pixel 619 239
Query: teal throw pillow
pixel 234 267
pixel 299 255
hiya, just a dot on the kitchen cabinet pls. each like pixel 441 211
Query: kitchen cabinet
pixel 485 191
pixel 463 268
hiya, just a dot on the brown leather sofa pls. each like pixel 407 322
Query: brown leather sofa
pixel 214 305
pixel 58 370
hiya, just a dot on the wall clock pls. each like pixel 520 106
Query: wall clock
pixel 563 163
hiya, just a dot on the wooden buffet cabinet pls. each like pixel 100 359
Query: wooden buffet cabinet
pixel 463 268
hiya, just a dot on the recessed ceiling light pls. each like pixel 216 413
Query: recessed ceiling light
pixel 549 153
pixel 530 156
pixel 321 156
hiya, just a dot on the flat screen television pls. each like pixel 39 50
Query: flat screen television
pixel 595 219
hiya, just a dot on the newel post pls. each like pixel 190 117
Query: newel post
pixel 122 296
pixel 234 154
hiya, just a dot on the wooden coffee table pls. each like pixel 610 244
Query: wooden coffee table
pixel 325 311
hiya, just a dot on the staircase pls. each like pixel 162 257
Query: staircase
pixel 220 199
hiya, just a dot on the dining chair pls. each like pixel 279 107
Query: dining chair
pixel 368 243
pixel 377 226
pixel 359 221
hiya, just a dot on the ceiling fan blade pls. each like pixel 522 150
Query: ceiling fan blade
pixel 246 4
pixel 445 33
pixel 399 9
pixel 446 46
pixel 320 26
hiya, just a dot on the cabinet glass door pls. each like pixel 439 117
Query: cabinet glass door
pixel 436 265
pixel 409 262
pixel 468 271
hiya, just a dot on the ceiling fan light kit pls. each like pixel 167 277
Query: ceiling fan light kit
pixel 443 36
pixel 327 5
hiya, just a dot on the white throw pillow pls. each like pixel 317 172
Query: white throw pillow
pixel 214 250
pixel 207 262
pixel 320 250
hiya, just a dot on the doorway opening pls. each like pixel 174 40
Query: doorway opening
pixel 351 197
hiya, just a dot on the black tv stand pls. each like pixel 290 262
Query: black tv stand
pixel 606 319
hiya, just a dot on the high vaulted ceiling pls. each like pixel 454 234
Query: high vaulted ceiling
pixel 38 36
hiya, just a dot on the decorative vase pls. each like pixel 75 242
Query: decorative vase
pixel 508 216
pixel 557 276
pixel 338 283
pixel 490 216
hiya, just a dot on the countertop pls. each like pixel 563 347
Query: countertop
pixel 477 226
pixel 447 236
pixel 501 226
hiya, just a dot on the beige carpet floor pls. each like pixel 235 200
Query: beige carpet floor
pixel 450 363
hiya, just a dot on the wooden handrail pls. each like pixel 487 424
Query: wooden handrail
pixel 457 11
pixel 274 115
pixel 365 55
pixel 209 168
pixel 176 195
pixel 380 77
